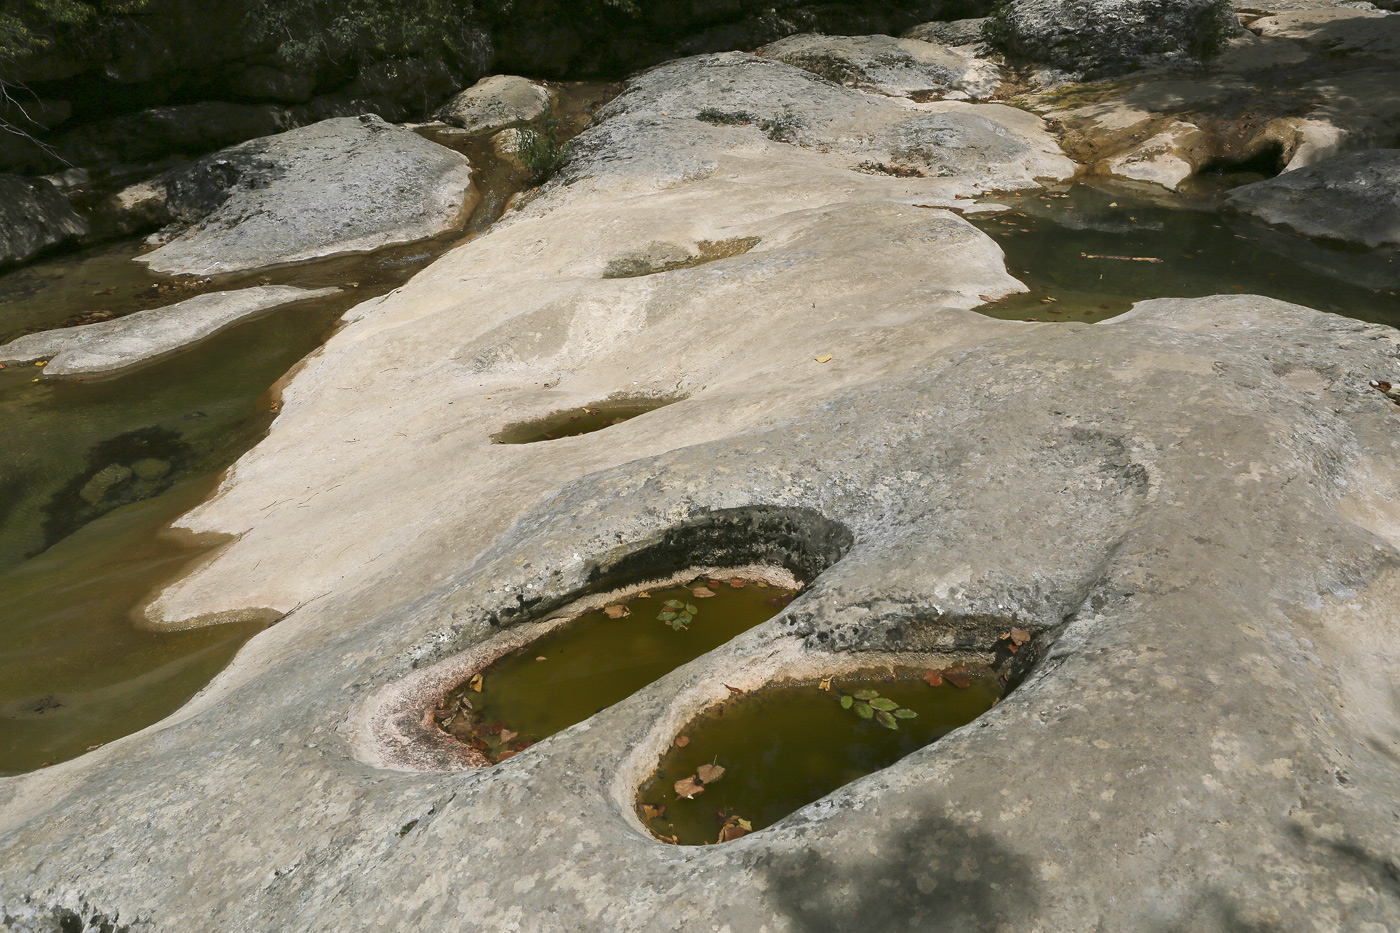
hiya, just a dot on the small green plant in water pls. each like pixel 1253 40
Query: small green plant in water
pixel 870 705
pixel 542 148
pixel 677 614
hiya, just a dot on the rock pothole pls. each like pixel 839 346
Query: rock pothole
pixel 667 257
pixel 586 419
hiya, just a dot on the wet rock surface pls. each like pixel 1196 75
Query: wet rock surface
pixel 351 184
pixel 34 216
pixel 1191 507
pixel 1354 198
pixel 111 346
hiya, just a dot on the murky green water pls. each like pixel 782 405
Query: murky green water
pixel 577 421
pixel 786 746
pixel 595 661
pixel 76 672
pixel 1090 252
pixel 91 471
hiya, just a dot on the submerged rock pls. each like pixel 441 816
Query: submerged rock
pixel 33 217
pixel 1354 198
pixel 342 185
pixel 111 346
pixel 1098 38
pixel 496 103
pixel 898 67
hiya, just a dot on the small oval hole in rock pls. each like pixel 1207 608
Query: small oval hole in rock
pixel 603 656
pixel 573 422
pixel 754 758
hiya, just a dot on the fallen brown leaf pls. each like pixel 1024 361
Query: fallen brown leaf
pixel 682 741
pixel 933 678
pixel 650 813
pixel 958 676
pixel 1019 636
pixel 735 690
pixel 738 582
pixel 617 612
pixel 702 592
pixel 689 787
pixel 475 683
pixel 708 774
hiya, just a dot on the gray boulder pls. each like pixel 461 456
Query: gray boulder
pixel 952 32
pixel 1354 198
pixel 495 103
pixel 898 67
pixel 33 217
pixel 342 185
pixel 1097 38
pixel 112 346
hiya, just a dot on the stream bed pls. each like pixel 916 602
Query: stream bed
pixel 93 471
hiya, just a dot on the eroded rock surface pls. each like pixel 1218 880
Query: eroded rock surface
pixel 1301 87
pixel 1192 508
pixel 1354 198
pixel 111 346
pixel 899 67
pixel 352 184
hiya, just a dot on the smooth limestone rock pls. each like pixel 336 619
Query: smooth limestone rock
pixel 898 67
pixel 112 346
pixel 956 32
pixel 352 184
pixel 1354 198
pixel 33 217
pixel 495 103
pixel 1098 38
pixel 1192 507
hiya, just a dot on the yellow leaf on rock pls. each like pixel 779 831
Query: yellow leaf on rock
pixel 475 683
pixel 824 358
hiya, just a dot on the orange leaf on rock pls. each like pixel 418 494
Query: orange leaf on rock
pixel 687 788
pixel 1020 636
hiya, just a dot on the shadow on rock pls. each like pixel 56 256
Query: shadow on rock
pixel 934 875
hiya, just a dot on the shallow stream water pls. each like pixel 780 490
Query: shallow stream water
pixel 1090 251
pixel 92 471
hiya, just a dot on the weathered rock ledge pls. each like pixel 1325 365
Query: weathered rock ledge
pixel 1192 507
